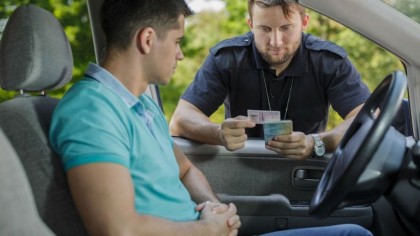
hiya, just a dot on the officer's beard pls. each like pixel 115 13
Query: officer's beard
pixel 275 62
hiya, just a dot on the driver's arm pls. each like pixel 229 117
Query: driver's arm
pixel 193 179
pixel 104 196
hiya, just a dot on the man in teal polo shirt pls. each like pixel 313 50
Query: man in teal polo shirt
pixel 126 175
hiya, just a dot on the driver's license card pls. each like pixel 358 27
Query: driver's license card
pixel 274 128
pixel 262 116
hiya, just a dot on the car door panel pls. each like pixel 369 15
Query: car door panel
pixel 270 192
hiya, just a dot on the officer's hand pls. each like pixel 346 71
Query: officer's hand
pixel 296 145
pixel 232 132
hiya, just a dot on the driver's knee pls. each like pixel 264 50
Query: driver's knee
pixel 333 230
pixel 350 230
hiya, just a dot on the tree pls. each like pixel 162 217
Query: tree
pixel 373 62
pixel 409 7
pixel 206 29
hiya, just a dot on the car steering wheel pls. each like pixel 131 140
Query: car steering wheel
pixel 358 146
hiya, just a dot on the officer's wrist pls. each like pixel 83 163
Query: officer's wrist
pixel 220 137
pixel 318 147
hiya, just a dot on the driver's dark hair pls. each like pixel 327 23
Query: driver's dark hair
pixel 287 6
pixel 121 19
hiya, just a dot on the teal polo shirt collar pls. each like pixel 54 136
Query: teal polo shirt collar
pixel 104 77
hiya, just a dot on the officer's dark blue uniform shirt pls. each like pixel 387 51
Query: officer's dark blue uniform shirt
pixel 319 75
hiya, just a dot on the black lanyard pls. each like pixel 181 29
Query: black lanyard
pixel 268 97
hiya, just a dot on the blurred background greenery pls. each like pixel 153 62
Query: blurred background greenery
pixel 203 31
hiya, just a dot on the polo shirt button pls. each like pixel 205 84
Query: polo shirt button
pixel 246 40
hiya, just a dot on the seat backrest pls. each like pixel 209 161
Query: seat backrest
pixel 18 216
pixel 35 56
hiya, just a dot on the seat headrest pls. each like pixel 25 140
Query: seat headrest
pixel 35 54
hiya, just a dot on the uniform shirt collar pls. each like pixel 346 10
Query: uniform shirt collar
pixel 297 66
pixel 104 77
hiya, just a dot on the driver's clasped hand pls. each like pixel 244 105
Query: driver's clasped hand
pixel 207 208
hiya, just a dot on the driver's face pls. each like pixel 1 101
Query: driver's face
pixel 168 52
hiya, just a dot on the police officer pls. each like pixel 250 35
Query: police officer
pixel 275 67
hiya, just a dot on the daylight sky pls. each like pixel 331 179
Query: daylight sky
pixel 200 5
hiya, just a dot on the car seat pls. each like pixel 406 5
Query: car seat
pixel 18 216
pixel 36 57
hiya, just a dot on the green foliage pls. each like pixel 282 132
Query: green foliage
pixel 73 15
pixel 203 31
pixel 373 62
pixel 409 7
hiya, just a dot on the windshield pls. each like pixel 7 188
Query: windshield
pixel 410 8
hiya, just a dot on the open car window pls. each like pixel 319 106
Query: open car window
pixel 270 192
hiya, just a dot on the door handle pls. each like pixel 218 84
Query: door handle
pixel 306 177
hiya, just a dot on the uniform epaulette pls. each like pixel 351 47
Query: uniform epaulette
pixel 314 43
pixel 238 41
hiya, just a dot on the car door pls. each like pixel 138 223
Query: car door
pixel 271 192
